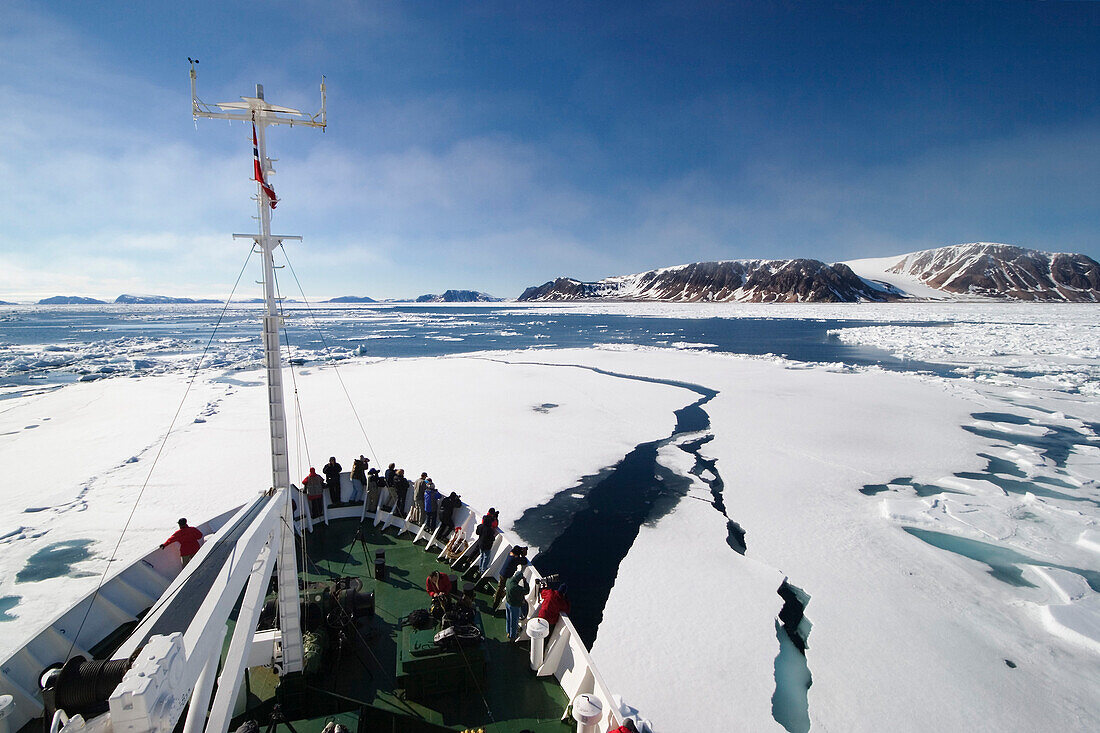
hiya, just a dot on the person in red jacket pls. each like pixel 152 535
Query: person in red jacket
pixel 314 486
pixel 438 584
pixel 554 604
pixel 189 539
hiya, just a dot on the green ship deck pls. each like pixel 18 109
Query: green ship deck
pixel 360 686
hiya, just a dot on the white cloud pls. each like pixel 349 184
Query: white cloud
pixel 105 186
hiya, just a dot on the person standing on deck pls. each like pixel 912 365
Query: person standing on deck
pixel 401 491
pixel 389 476
pixel 359 477
pixel 332 471
pixel 515 593
pixel 374 489
pixel 517 558
pixel 189 538
pixel 314 486
pixel 486 536
pixel 417 513
pixel 431 503
pixel 447 512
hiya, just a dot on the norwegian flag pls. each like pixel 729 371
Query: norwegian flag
pixel 259 174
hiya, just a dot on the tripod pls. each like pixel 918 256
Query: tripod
pixel 361 538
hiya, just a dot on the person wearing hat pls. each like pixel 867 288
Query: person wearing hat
pixel 189 539
pixel 358 477
pixel 515 594
pixel 555 602
pixel 431 504
pixel 517 558
pixel 447 508
pixel 332 471
pixel 374 489
pixel 417 513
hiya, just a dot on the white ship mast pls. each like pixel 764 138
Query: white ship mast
pixel 261 114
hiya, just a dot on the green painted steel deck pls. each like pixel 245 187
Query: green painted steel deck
pixel 359 686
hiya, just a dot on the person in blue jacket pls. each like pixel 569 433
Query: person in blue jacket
pixel 431 502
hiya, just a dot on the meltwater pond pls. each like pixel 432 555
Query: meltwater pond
pixel 57 344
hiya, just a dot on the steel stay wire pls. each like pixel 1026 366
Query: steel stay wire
pixel 324 342
pixel 370 447
pixel 299 419
pixel 160 449
pixel 390 678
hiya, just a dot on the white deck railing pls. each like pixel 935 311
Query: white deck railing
pixel 123 596
pixel 565 656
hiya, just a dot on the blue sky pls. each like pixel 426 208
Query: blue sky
pixel 494 146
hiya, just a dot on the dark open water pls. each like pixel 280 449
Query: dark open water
pixel 62 344
pixel 586 530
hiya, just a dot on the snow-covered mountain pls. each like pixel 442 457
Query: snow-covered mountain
pixel 160 300
pixel 980 270
pixel 351 299
pixel 985 270
pixel 754 281
pixel 457 296
pixel 70 300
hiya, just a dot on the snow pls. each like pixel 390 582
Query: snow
pixel 876 269
pixel 686 641
pixel 896 622
pixel 906 635
pixel 468 422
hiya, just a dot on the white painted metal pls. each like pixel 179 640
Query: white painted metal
pixel 587 711
pixel 205 634
pixel 236 659
pixel 200 698
pixel 261 114
pixel 7 707
pixel 268 535
pixel 154 691
pixel 290 624
pixel 131 590
pixel 538 629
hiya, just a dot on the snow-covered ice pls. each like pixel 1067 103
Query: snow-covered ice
pixel 945 529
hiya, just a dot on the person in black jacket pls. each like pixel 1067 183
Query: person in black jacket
pixel 387 480
pixel 401 489
pixel 359 477
pixel 447 513
pixel 486 536
pixel 374 489
pixel 332 471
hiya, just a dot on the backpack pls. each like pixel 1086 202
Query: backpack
pixel 419 619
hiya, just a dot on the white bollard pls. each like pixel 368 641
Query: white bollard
pixel 587 711
pixel 7 707
pixel 538 629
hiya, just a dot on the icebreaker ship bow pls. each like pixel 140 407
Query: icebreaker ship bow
pixel 335 639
